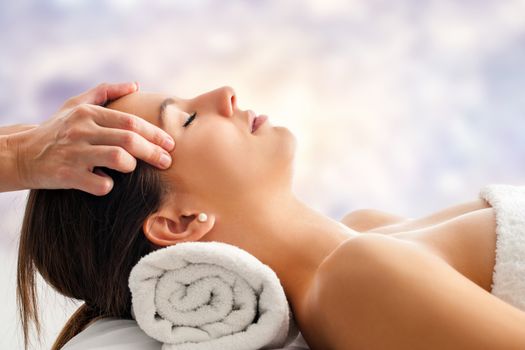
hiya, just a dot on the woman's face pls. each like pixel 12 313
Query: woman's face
pixel 216 156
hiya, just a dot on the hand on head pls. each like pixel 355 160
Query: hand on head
pixel 64 151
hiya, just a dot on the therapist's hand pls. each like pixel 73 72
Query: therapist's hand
pixel 63 151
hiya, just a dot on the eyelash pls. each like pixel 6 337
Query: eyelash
pixel 190 119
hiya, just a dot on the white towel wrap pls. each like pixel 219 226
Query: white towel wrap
pixel 508 279
pixel 210 295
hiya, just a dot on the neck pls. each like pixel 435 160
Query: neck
pixel 288 236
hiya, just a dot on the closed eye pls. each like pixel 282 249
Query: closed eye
pixel 190 119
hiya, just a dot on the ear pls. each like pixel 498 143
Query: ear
pixel 168 227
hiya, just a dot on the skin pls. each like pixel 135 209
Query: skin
pixel 243 182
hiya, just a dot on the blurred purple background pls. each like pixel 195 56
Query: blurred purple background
pixel 407 107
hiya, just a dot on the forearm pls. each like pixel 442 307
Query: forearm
pixel 9 171
pixel 12 129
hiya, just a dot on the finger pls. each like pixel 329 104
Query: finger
pixel 112 157
pixel 134 144
pixel 97 183
pixel 103 93
pixel 110 118
pixel 115 91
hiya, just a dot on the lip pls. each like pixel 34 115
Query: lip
pixel 261 119
pixel 255 121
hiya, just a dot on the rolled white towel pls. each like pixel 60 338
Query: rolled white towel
pixel 210 295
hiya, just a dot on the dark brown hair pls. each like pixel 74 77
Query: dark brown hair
pixel 85 246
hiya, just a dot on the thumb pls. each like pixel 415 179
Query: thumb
pixel 103 93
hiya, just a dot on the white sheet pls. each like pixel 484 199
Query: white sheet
pixel 117 334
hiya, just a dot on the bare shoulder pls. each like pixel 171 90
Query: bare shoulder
pixel 391 284
pixel 325 313
pixel 358 252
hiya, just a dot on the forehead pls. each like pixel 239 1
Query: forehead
pixel 146 105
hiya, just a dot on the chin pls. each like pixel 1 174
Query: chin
pixel 278 158
pixel 287 146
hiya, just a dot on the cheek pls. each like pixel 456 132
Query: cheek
pixel 224 161
pixel 218 161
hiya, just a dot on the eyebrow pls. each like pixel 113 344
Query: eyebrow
pixel 162 110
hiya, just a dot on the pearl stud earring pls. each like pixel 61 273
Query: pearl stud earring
pixel 202 217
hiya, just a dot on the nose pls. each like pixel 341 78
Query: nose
pixel 226 101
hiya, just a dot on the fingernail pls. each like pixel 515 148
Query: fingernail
pixel 165 160
pixel 136 85
pixel 168 143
